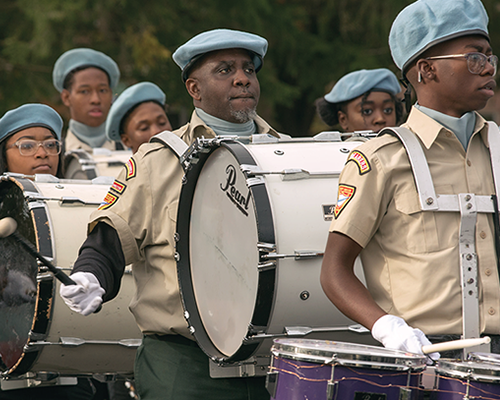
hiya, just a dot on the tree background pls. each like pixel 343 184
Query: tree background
pixel 312 43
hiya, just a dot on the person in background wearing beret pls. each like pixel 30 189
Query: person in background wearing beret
pixel 30 144
pixel 411 256
pixel 30 140
pixel 86 79
pixel 136 223
pixel 137 115
pixel 364 100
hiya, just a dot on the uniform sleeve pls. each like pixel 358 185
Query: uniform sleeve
pixel 362 197
pixel 101 254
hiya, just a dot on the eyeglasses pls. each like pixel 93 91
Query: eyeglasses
pixel 475 61
pixel 29 147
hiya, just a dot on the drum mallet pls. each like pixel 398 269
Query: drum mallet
pixel 8 227
pixel 454 345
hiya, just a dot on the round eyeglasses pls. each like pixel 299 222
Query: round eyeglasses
pixel 29 147
pixel 475 61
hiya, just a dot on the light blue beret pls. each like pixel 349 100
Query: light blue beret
pixel 131 97
pixel 426 23
pixel 359 82
pixel 77 58
pixel 28 116
pixel 219 39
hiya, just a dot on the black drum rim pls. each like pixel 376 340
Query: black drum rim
pixel 266 278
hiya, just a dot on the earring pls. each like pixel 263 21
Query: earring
pixel 419 79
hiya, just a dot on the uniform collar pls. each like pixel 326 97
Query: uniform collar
pixel 428 129
pixel 197 128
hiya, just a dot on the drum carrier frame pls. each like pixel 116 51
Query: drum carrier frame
pixel 468 205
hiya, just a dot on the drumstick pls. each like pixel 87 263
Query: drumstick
pixel 8 227
pixel 454 345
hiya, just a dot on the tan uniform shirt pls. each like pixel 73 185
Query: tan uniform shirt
pixel 71 142
pixel 142 207
pixel 411 258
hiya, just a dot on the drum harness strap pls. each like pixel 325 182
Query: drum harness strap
pixel 171 140
pixel 468 204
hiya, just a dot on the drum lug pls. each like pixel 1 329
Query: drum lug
pixel 272 382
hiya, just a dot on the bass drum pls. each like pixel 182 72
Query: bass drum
pixel 39 333
pixel 252 226
pixel 80 164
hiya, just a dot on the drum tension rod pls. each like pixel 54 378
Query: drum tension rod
pixel 297 255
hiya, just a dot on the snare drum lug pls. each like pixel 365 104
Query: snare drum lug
pixel 177 237
pixel 177 256
pixel 192 330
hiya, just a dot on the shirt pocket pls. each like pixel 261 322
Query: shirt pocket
pixel 424 231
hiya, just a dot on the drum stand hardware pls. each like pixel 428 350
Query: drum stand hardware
pixel 254 366
pixel 40 379
pixel 289 174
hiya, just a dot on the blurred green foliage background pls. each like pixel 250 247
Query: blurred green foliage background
pixel 312 43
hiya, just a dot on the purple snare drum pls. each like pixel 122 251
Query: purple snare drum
pixel 477 378
pixel 325 370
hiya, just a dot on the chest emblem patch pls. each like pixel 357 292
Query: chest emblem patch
pixel 346 193
pixel 360 160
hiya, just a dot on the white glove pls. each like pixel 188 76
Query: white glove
pixel 394 333
pixel 86 296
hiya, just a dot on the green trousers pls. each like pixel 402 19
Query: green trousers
pixel 174 367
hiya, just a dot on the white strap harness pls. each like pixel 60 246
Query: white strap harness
pixel 171 140
pixel 468 204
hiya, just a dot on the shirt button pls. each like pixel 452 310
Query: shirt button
pixel 469 163
pixel 491 311
pixel 487 272
pixel 483 235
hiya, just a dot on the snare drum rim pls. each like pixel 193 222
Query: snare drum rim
pixel 347 354
pixel 476 371
pixel 266 278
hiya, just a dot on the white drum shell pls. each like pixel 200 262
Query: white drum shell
pixel 224 254
pixel 67 222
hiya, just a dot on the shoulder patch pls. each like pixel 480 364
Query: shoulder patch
pixel 118 187
pixel 131 169
pixel 108 201
pixel 346 193
pixel 360 160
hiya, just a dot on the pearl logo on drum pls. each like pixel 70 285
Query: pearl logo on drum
pixel 234 194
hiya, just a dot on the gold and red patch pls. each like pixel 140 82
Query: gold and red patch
pixel 360 160
pixel 118 187
pixel 131 169
pixel 346 193
pixel 108 201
